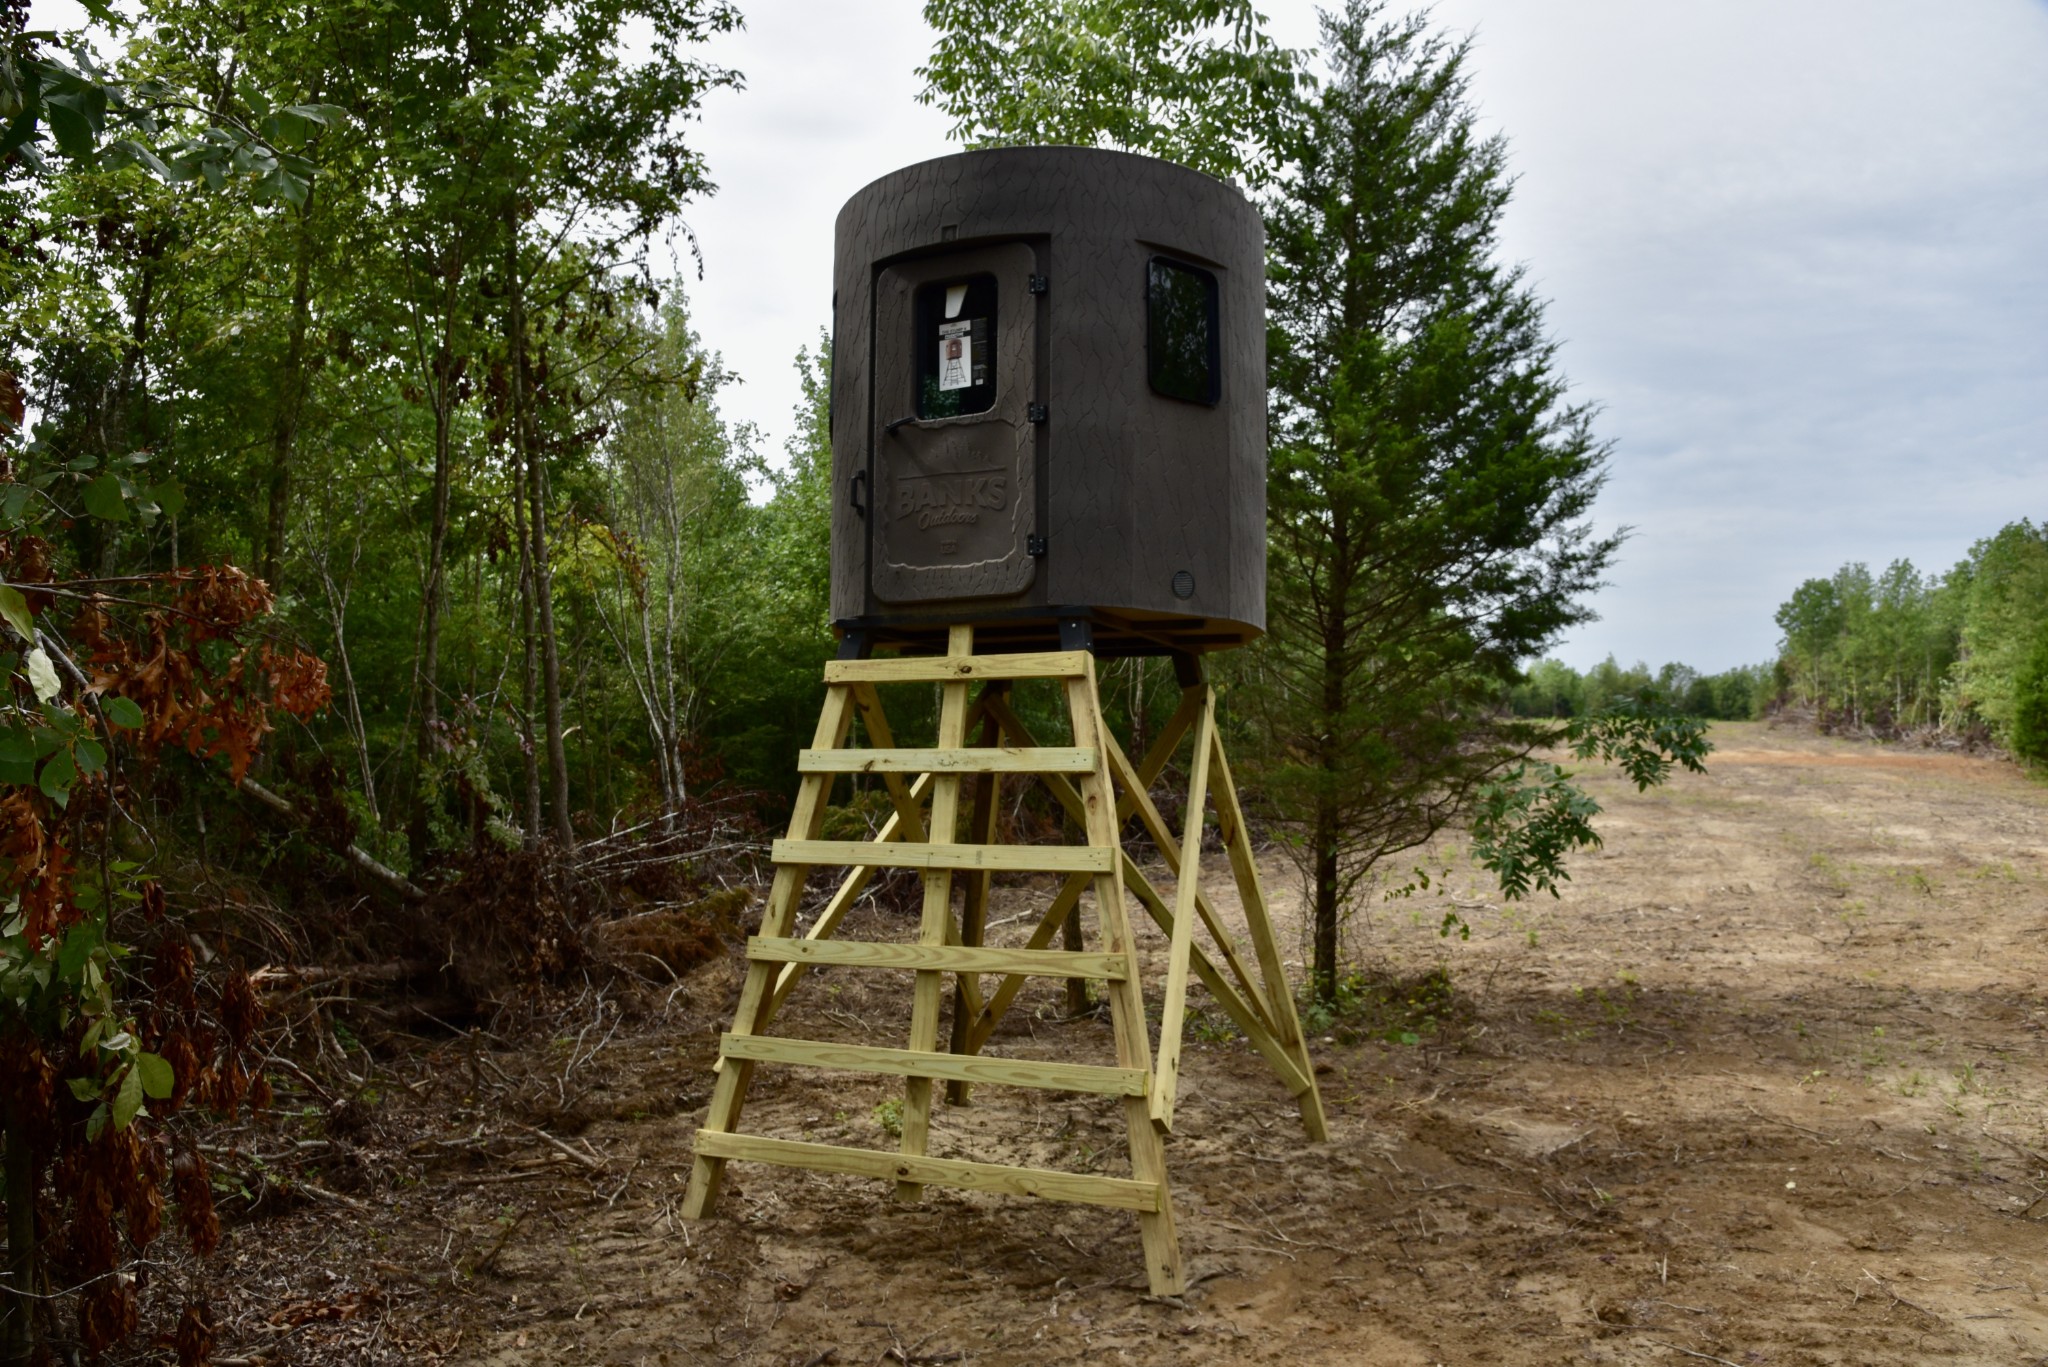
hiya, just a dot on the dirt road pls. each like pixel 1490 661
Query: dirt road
pixel 1766 1086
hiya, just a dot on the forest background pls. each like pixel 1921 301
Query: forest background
pixel 365 300
pixel 448 408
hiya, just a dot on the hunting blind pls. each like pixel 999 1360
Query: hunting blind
pixel 1048 444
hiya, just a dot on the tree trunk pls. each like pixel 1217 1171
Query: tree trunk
pixel 529 755
pixel 17 1338
pixel 1327 838
pixel 284 432
pixel 446 369
pixel 1325 842
pixel 123 419
pixel 537 529
pixel 661 720
pixel 337 609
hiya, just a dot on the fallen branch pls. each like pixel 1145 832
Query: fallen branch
pixel 395 971
pixel 355 854
pixel 1709 1357
pixel 490 1256
pixel 594 1164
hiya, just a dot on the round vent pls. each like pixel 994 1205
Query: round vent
pixel 1183 584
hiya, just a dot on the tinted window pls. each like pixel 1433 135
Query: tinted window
pixel 1181 352
pixel 956 354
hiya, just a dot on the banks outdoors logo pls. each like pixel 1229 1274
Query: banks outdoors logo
pixel 940 501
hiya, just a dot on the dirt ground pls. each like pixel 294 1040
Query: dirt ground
pixel 1766 1086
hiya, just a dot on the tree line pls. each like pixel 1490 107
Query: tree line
pixel 1552 688
pixel 1964 652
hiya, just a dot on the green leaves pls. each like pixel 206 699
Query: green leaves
pixel 105 498
pixel 14 608
pixel 60 771
pixel 17 756
pixel 122 713
pixel 77 105
pixel 70 102
pixel 128 1097
pixel 1194 81
pixel 1525 823
pixel 159 1080
pixel 1645 737
pixel 1430 484
pixel 118 495
pixel 14 505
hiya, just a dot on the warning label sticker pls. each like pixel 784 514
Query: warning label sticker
pixel 956 354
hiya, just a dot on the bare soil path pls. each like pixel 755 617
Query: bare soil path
pixel 1766 1086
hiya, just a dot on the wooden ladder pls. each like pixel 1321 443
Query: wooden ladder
pixel 1099 788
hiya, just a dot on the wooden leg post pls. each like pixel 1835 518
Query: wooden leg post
pixel 938 914
pixel 982 826
pixel 1266 945
pixel 1173 1005
pixel 729 1094
pixel 1156 1228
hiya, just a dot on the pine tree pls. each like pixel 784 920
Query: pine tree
pixel 1430 482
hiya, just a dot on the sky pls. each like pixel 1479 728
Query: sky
pixel 1797 254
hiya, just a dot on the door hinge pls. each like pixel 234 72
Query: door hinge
pixel 1034 412
pixel 1034 546
pixel 1038 285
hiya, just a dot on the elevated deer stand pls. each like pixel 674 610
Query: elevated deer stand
pixel 1099 787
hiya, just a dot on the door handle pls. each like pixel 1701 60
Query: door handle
pixel 853 491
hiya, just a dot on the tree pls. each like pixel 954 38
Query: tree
pixel 1430 484
pixel 1194 81
pixel 1871 651
pixel 678 524
pixel 2029 732
pixel 2004 591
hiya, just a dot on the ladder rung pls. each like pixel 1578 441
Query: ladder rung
pixel 1006 760
pixel 1043 963
pixel 1061 664
pixel 1120 1192
pixel 913 855
pixel 1003 1072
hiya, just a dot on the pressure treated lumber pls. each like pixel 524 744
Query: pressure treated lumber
pixel 1099 787
pixel 875 721
pixel 729 1093
pixel 935 922
pixel 850 888
pixel 1265 944
pixel 925 1064
pixel 1063 664
pixel 1040 963
pixel 1117 1192
pixel 1138 799
pixel 902 855
pixel 1157 1231
pixel 984 826
pixel 1173 1008
pixel 1007 760
pixel 1057 917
